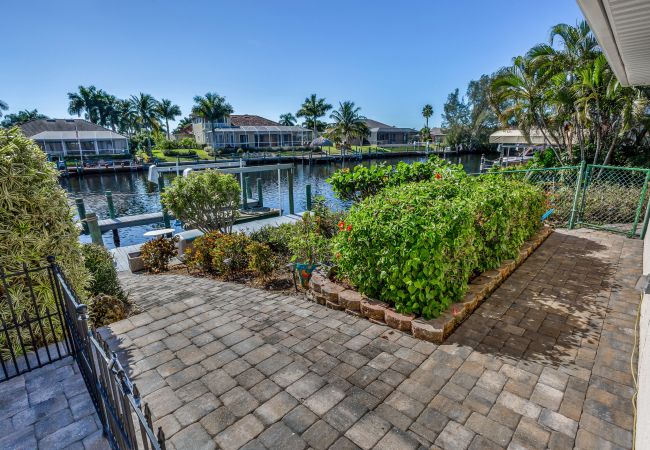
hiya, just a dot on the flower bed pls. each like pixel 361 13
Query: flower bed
pixel 327 292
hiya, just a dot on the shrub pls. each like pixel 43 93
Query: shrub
pixel 99 263
pixel 416 246
pixel 364 181
pixel 228 254
pixel 207 200
pixel 198 256
pixel 276 237
pixel 261 259
pixel 36 222
pixel 179 152
pixel 105 309
pixel 309 245
pixel 157 253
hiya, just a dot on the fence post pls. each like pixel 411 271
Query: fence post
pixel 81 210
pixel 249 188
pixel 260 199
pixel 161 187
pixel 308 191
pixel 574 209
pixel 93 227
pixel 290 183
pixel 644 230
pixel 641 200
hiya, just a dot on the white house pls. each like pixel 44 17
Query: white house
pixel 248 131
pixel 71 137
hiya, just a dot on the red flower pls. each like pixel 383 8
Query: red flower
pixel 341 225
pixel 438 176
pixel 454 311
pixel 349 227
pixel 338 255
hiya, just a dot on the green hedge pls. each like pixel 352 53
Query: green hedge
pixel 416 246
pixel 364 181
pixel 179 152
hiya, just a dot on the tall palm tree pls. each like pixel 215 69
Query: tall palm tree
pixel 168 111
pixel 348 122
pixel 287 119
pixel 3 107
pixel 184 122
pixel 521 88
pixel 211 107
pixel 84 101
pixel 312 109
pixel 427 112
pixel 145 107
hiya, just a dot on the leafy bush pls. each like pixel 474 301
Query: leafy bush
pixel 228 254
pixel 416 246
pixel 364 181
pixel 157 253
pixel 207 200
pixel 179 152
pixel 198 256
pixel 105 309
pixel 276 237
pixel 185 143
pixel 99 263
pixel 36 222
pixel 310 245
pixel 326 219
pixel 261 259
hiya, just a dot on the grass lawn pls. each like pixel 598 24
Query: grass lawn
pixel 202 154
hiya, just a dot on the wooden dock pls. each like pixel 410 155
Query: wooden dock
pixel 120 254
pixel 157 217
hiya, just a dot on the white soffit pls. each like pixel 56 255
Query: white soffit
pixel 622 28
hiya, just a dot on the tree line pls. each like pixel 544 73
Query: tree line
pixel 563 89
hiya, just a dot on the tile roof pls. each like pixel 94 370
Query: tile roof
pixel 239 120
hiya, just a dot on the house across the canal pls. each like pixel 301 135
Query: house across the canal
pixel 75 137
pixel 248 131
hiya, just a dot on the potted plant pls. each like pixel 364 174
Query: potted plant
pixel 309 247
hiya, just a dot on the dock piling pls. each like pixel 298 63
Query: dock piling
pixel 308 192
pixel 111 207
pixel 260 199
pixel 81 210
pixel 290 183
pixel 93 226
pixel 161 187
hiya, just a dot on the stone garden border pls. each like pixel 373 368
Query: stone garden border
pixel 332 295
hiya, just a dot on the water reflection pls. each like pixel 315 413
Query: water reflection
pixel 133 194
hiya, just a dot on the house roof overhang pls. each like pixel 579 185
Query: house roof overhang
pixel 622 30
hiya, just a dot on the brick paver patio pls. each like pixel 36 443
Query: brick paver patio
pixel 544 362
pixel 49 408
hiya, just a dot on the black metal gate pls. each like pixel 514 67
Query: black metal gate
pixel 42 321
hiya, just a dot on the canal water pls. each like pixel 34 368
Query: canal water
pixel 133 194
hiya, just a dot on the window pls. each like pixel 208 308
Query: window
pixel 72 146
pixel 88 146
pixel 54 147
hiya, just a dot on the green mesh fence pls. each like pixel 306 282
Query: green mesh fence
pixel 604 197
pixel 614 198
pixel 559 184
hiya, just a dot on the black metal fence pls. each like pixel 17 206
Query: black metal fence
pixel 42 321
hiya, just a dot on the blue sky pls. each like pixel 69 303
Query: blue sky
pixel 266 56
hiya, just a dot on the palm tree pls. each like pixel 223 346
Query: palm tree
pixel 211 107
pixel 312 109
pixel 184 122
pixel 168 111
pixel 287 120
pixel 427 112
pixel 21 117
pixel 145 107
pixel 348 122
pixel 521 88
pixel 3 107
pixel 85 101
